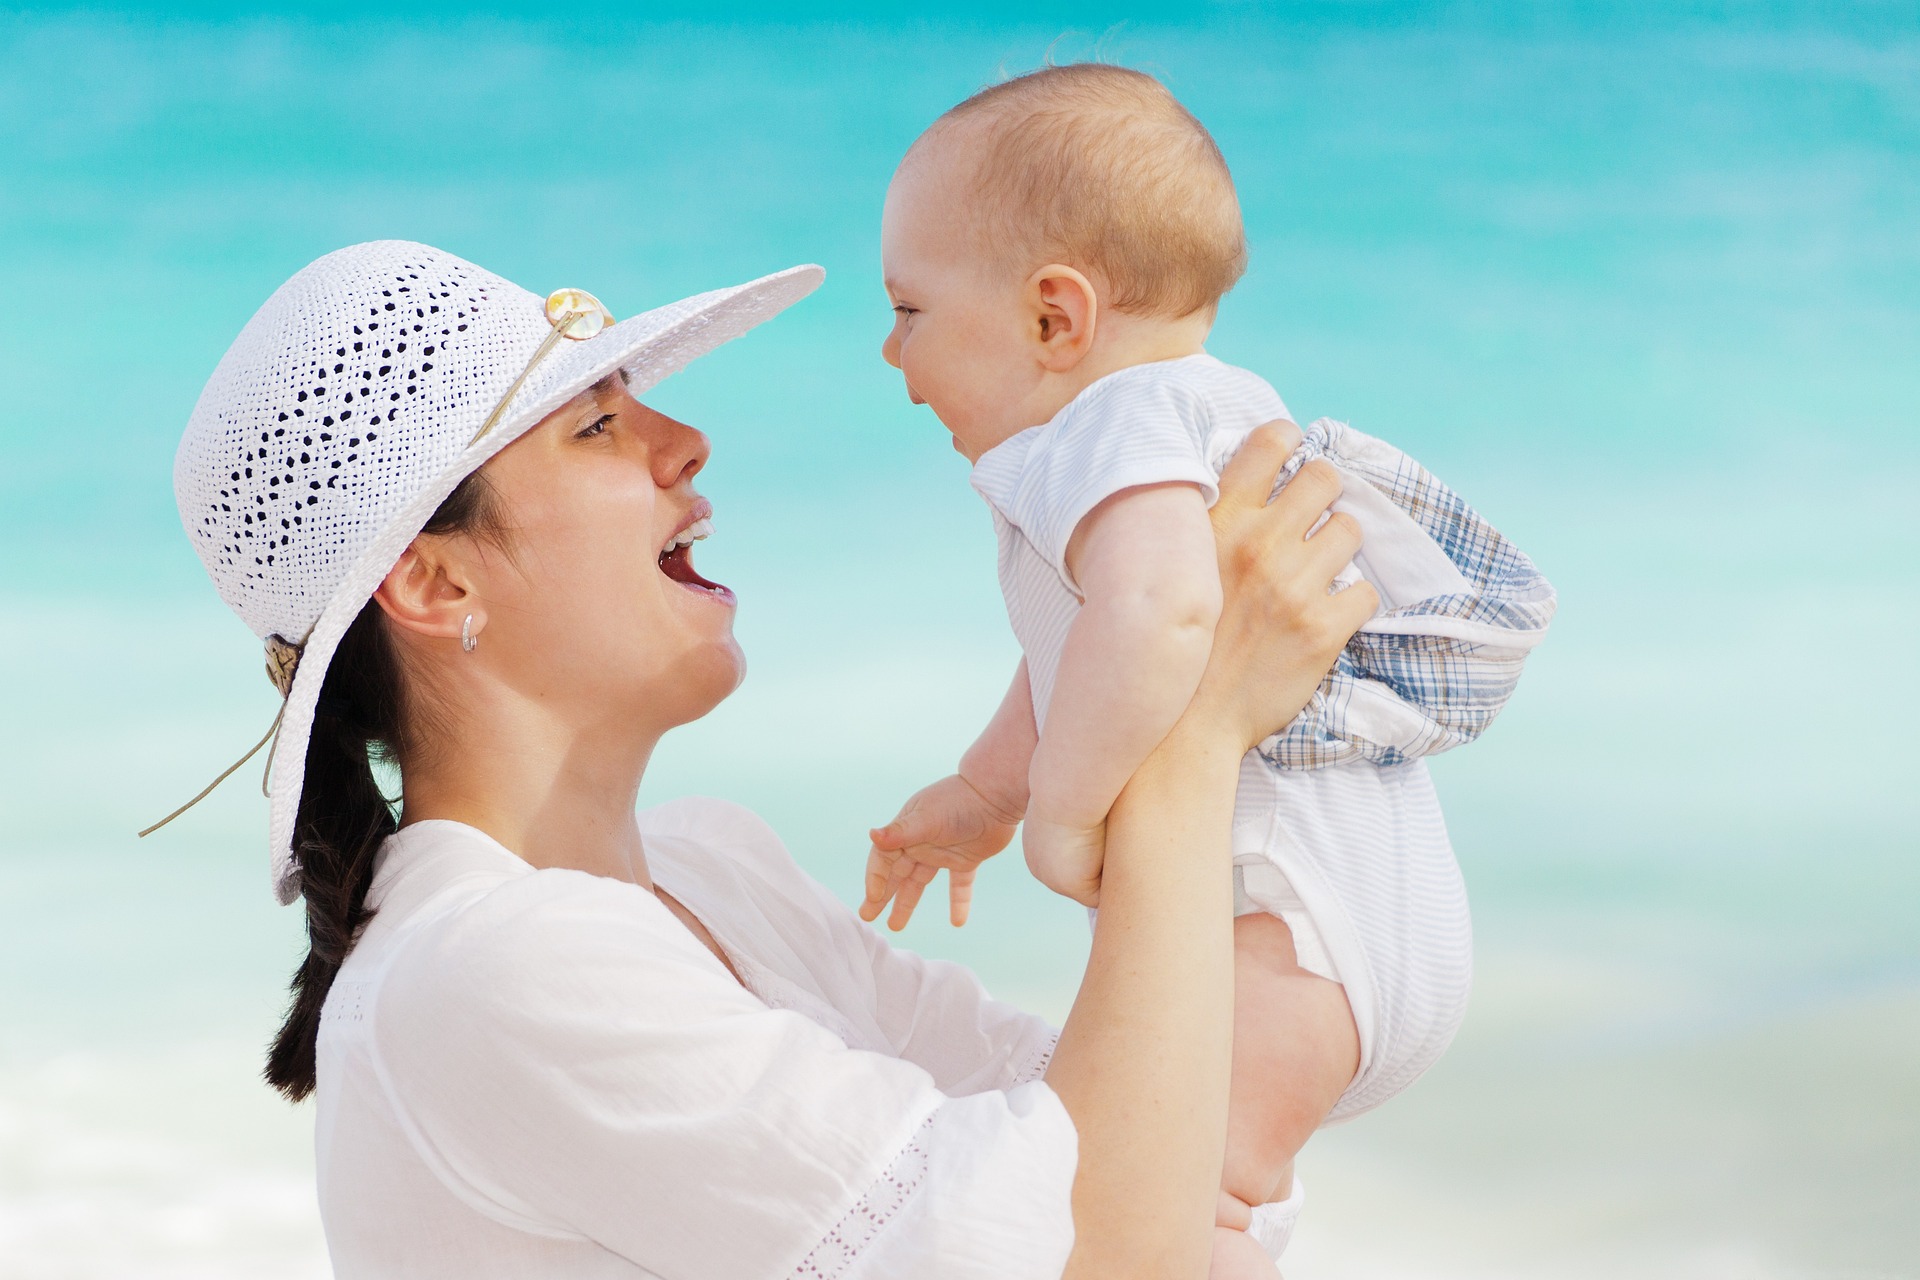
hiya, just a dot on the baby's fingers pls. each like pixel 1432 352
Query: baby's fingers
pixel 906 894
pixel 880 876
pixel 913 825
pixel 959 895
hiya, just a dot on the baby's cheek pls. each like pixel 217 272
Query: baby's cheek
pixel 921 373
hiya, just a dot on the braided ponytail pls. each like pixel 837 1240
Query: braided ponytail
pixel 344 816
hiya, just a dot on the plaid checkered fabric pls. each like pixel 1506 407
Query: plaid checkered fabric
pixel 1428 676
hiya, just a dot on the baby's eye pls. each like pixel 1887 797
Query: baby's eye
pixel 903 309
pixel 594 428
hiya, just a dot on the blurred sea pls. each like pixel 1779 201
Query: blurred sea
pixel 1642 281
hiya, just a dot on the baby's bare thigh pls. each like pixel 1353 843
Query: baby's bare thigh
pixel 1295 1050
pixel 1236 1256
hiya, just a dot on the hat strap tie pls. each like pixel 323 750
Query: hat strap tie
pixel 283 659
pixel 273 731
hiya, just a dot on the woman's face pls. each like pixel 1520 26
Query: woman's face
pixel 593 606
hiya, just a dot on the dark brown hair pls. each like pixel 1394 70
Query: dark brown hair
pixel 344 816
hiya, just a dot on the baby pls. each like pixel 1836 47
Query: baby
pixel 1055 249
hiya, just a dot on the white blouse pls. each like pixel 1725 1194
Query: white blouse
pixel 543 1073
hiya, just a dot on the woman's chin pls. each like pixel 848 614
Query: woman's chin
pixel 708 677
pixel 736 668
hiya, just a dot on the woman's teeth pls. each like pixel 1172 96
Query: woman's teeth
pixel 694 532
pixel 676 561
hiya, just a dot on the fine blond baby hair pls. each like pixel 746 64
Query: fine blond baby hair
pixel 1100 167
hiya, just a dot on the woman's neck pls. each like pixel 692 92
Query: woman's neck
pixel 556 794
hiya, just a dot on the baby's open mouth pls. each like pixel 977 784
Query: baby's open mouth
pixel 676 561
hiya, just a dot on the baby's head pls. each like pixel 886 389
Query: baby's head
pixel 1046 232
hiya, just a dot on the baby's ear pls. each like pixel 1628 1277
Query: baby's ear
pixel 1066 311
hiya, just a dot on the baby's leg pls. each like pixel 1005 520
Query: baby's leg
pixel 1238 1256
pixel 1295 1051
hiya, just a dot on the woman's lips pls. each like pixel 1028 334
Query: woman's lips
pixel 677 563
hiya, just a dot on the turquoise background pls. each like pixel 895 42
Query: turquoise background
pixel 1642 281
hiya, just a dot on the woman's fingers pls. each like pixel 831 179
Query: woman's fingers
pixel 1352 607
pixel 1247 479
pixel 1280 628
pixel 1300 505
pixel 1333 544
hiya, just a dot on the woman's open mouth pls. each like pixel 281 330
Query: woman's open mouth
pixel 676 561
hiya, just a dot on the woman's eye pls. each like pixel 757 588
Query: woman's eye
pixel 594 428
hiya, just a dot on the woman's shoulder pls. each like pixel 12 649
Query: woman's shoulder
pixel 705 836
pixel 463 922
pixel 725 863
pixel 707 819
pixel 433 872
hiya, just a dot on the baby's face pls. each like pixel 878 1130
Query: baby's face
pixel 959 331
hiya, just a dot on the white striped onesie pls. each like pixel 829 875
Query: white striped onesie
pixel 1351 852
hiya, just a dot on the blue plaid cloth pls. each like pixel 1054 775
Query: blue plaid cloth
pixel 1427 676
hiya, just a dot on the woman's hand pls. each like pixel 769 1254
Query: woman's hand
pixel 1280 627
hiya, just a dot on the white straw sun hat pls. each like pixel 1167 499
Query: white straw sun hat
pixel 356 399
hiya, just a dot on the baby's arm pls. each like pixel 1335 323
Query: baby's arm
pixel 997 763
pixel 1146 567
pixel 958 822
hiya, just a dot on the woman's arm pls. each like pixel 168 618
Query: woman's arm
pixel 1142 1063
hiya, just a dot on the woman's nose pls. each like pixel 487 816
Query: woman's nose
pixel 678 451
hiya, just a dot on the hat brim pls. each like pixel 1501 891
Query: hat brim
pixel 648 348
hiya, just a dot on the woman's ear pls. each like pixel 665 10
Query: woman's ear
pixel 427 592
pixel 1065 314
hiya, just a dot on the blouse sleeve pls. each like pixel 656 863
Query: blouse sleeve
pixel 941 1018
pixel 932 1013
pixel 571 1062
pixel 938 1016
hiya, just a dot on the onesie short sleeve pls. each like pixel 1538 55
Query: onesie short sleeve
pixel 1142 426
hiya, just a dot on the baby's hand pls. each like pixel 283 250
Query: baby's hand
pixel 1066 858
pixel 949 824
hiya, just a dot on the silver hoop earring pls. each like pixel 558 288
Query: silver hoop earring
pixel 467 639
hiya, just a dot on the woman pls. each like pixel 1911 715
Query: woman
pixel 550 1037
